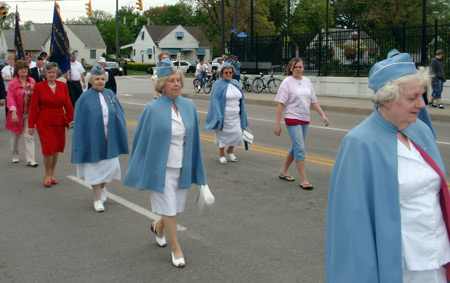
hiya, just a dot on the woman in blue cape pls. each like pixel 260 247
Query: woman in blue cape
pixel 99 136
pixel 226 114
pixel 166 156
pixel 389 205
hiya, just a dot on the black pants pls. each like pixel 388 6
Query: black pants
pixel 75 90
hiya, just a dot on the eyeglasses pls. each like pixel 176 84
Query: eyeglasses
pixel 226 73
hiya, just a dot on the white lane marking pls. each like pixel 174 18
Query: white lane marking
pixel 126 203
pixel 273 121
pixel 125 94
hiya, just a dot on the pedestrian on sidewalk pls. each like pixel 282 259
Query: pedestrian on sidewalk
pixel 99 136
pixel 167 157
pixel 438 79
pixel 295 97
pixel 20 91
pixel 226 114
pixel 388 202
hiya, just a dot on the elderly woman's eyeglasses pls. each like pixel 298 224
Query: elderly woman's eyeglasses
pixel 227 73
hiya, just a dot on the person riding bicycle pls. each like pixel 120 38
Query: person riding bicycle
pixel 200 72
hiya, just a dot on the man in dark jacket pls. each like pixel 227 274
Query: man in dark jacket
pixel 438 79
pixel 36 72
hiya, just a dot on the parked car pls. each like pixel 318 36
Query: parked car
pixel 113 66
pixel 184 66
pixel 126 59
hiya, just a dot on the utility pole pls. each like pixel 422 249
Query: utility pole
pixel 423 60
pixel 117 30
pixel 223 26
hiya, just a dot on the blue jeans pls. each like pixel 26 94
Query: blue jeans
pixel 200 76
pixel 298 137
pixel 437 88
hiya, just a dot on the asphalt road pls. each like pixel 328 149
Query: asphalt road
pixel 261 229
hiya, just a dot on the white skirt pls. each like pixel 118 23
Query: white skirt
pixel 231 134
pixel 173 199
pixel 103 171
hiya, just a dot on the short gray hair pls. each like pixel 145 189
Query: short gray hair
pixel 49 66
pixel 391 91
pixel 162 81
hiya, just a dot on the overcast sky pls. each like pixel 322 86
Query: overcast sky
pixel 41 11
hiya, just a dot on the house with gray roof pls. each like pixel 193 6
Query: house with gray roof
pixel 182 42
pixel 85 40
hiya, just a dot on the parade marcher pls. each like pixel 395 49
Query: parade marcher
pixel 226 114
pixel 74 77
pixel 51 110
pixel 388 203
pixel 31 63
pixel 44 56
pixel 438 79
pixel 2 92
pixel 99 136
pixel 163 55
pixel 36 72
pixel 166 156
pixel 20 91
pixel 295 97
pixel 8 71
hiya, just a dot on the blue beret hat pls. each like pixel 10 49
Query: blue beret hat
pixel 97 70
pixel 227 65
pixel 395 66
pixel 164 68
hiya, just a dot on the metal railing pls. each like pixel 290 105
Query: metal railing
pixel 340 52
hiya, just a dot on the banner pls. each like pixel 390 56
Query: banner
pixel 18 43
pixel 59 44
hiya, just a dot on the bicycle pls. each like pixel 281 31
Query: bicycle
pixel 273 84
pixel 206 84
pixel 246 84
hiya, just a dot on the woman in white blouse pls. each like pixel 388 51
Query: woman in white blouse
pixel 389 204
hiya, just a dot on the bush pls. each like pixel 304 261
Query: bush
pixel 138 66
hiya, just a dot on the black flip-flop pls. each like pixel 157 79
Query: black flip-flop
pixel 286 178
pixel 307 187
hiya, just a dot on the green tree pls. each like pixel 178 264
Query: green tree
pixel 107 29
pixel 309 16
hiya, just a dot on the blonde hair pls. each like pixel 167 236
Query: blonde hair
pixel 390 92
pixel 162 81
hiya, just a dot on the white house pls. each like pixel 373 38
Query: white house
pixel 85 40
pixel 183 42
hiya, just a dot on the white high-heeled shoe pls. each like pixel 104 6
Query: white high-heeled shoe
pixel 161 242
pixel 178 262
pixel 223 160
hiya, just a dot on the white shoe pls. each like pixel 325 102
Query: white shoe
pixel 232 157
pixel 159 241
pixel 15 160
pixel 98 206
pixel 178 262
pixel 223 160
pixel 103 194
pixel 199 87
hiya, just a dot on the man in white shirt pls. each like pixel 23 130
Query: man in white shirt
pixel 74 77
pixel 200 72
pixel 31 64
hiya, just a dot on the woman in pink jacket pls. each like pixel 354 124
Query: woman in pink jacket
pixel 19 97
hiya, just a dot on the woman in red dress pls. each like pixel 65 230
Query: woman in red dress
pixel 52 111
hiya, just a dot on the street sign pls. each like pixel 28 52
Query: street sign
pixel 242 34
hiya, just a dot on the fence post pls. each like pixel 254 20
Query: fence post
pixel 320 51
pixel 231 43
pixel 404 36
pixel 256 53
pixel 358 51
pixel 435 34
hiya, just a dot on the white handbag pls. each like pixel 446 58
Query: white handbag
pixel 204 198
pixel 247 136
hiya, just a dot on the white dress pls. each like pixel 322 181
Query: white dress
pixel 231 134
pixel 173 199
pixel 103 171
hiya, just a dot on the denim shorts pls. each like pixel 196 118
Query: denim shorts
pixel 437 88
pixel 298 137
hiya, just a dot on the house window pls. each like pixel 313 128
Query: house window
pixel 179 35
pixel 134 52
pixel 149 56
pixel 93 53
pixel 142 35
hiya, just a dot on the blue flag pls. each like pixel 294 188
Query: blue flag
pixel 18 43
pixel 59 44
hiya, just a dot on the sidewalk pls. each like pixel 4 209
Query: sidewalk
pixel 328 103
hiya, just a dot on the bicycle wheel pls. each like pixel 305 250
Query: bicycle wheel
pixel 207 86
pixel 258 85
pixel 246 86
pixel 274 85
pixel 197 90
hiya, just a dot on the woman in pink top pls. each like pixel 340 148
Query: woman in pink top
pixel 295 96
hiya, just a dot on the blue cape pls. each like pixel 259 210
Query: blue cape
pixel 148 161
pixel 89 143
pixel 216 110
pixel 363 238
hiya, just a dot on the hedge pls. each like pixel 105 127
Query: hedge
pixel 138 66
